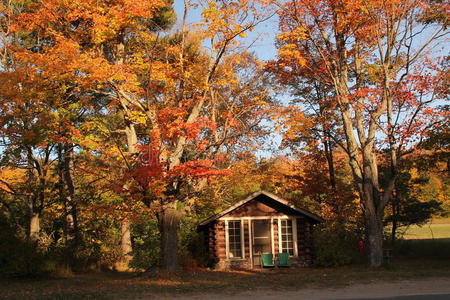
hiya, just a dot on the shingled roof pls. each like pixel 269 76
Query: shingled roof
pixel 288 206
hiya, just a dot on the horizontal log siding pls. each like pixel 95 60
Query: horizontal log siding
pixel 220 244
pixel 304 242
pixel 212 245
pixel 246 239
pixel 275 236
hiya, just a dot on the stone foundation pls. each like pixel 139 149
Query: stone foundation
pixel 233 264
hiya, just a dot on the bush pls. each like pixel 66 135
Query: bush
pixel 21 258
pixel 193 246
pixel 336 246
pixel 146 243
pixel 423 248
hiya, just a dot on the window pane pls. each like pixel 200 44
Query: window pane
pixel 287 237
pixel 234 239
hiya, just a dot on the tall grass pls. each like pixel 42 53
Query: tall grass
pixel 423 248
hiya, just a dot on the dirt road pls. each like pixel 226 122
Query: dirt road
pixel 436 289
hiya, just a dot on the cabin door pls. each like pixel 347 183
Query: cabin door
pixel 261 241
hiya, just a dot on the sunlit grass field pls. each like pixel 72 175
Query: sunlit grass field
pixel 436 229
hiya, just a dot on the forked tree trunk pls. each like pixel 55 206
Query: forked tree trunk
pixel 125 226
pixel 169 221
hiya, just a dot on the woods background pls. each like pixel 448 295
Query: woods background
pixel 123 125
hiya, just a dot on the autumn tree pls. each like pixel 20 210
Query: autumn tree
pixel 373 56
pixel 28 140
pixel 76 53
pixel 193 110
pixel 180 104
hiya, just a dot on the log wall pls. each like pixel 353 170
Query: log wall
pixel 304 242
pixel 216 243
pixel 275 236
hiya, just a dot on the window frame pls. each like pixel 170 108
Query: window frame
pixel 294 236
pixel 227 239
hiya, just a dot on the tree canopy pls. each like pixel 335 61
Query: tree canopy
pixel 121 121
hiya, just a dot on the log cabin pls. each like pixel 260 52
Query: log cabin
pixel 261 223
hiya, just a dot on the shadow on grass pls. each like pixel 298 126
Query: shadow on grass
pixel 134 285
pixel 436 248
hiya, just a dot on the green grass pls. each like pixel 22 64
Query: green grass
pixel 126 285
pixel 436 229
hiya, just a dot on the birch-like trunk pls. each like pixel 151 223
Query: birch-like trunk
pixel 125 243
pixel 35 227
pixel 69 202
pixel 125 225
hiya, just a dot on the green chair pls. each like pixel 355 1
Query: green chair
pixel 267 260
pixel 283 260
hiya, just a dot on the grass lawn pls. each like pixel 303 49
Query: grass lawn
pixel 127 285
pixel 436 229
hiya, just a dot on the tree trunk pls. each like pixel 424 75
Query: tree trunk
pixel 125 243
pixel 330 161
pixel 373 217
pixel 35 226
pixel 125 240
pixel 374 240
pixel 393 231
pixel 169 221
pixel 69 201
pixel 395 215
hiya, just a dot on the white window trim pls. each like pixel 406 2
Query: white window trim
pixel 242 239
pixel 252 218
pixel 294 233
pixel 227 240
pixel 272 238
pixel 250 244
pixel 280 248
pixel 250 235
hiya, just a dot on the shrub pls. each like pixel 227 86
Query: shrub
pixel 336 245
pixel 146 243
pixel 423 248
pixel 21 258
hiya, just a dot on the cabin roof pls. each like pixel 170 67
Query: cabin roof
pixel 275 201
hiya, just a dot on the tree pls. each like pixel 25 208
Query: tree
pixel 192 112
pixel 181 106
pixel 382 83
pixel 412 203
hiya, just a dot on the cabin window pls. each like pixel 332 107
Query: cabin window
pixel 287 237
pixel 234 239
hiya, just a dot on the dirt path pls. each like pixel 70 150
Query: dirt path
pixel 422 289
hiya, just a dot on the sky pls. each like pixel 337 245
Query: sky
pixel 262 41
pixel 264 34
